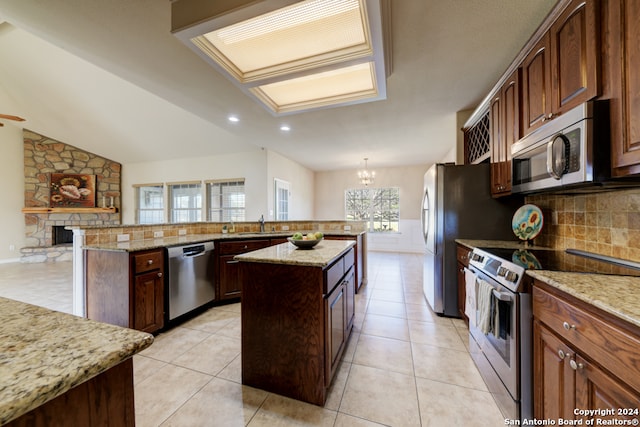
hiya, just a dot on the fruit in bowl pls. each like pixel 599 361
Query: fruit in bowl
pixel 306 241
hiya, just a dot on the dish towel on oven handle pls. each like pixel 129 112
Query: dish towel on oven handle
pixel 470 296
pixel 485 302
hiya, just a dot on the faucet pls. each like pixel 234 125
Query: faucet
pixel 261 221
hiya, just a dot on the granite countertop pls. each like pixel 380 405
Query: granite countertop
pixel 320 255
pixel 614 294
pixel 45 353
pixel 164 242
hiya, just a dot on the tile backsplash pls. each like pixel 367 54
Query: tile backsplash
pixel 607 223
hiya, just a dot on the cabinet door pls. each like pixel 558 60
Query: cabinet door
pixel 148 312
pixel 462 292
pixel 536 86
pixel 553 379
pixel 336 325
pixel 497 146
pixel 621 61
pixel 595 389
pixel 574 56
pixel 350 291
pixel 229 274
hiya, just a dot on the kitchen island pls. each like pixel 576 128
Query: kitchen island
pixel 297 316
pixel 57 369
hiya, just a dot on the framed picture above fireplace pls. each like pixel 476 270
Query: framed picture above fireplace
pixel 72 190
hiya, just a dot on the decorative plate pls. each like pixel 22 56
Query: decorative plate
pixel 527 222
pixel 526 259
pixel 304 244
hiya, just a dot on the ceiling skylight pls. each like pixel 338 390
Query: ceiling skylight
pixel 308 54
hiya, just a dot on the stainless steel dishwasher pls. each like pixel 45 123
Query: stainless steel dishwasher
pixel 191 277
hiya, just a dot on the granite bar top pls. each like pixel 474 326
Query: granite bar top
pixel 165 242
pixel 616 295
pixel 45 353
pixel 320 255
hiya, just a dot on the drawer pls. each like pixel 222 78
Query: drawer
pixel 242 246
pixel 349 259
pixel 614 348
pixel 147 261
pixel 333 275
pixel 463 253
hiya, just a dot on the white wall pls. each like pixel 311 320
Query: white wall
pixel 329 203
pixel 302 187
pixel 12 229
pixel 258 168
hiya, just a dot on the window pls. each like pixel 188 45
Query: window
pixel 186 202
pixel 380 207
pixel 226 200
pixel 150 204
pixel 282 195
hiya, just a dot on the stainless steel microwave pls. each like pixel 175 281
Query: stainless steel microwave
pixel 569 152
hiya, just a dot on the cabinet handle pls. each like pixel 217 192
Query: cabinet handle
pixel 561 354
pixel 233 262
pixel 575 365
pixel 149 261
pixel 159 274
pixel 567 326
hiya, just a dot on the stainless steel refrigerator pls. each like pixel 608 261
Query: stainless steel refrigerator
pixel 457 204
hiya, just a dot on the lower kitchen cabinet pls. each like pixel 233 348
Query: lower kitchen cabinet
pixel 126 288
pixel 360 251
pixel 296 321
pixel 228 271
pixel 582 359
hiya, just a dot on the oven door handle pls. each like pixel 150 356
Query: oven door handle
pixel 502 296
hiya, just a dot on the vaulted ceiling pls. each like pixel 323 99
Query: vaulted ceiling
pixel 109 77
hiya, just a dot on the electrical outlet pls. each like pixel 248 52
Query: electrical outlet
pixel 123 237
pixel 12 248
pixel 158 234
pixel 285 228
pixel 347 228
pixel 182 232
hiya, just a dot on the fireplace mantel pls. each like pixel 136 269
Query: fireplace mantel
pixel 45 210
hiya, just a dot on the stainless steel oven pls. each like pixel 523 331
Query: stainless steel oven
pixel 500 328
pixel 569 152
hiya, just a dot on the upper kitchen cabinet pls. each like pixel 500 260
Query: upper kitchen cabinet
pixel 505 130
pixel 562 70
pixel 620 62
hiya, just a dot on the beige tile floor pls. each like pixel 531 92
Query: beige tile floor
pixel 403 365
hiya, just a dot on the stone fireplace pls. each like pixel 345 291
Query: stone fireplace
pixel 44 156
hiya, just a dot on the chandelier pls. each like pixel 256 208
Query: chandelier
pixel 366 176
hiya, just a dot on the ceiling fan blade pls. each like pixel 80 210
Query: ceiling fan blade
pixel 10 117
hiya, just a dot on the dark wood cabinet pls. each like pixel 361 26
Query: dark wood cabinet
pixel 505 122
pixel 360 254
pixel 126 289
pixel 296 322
pixel 582 358
pixel 621 85
pixel 562 70
pixel 229 284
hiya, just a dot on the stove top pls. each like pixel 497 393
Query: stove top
pixel 556 260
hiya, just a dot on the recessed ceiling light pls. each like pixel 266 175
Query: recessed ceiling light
pixel 285 128
pixel 234 119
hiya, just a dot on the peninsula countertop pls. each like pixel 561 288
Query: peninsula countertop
pixel 320 255
pixel 163 242
pixel 45 353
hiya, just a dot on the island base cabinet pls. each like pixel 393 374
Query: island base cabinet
pixel 105 400
pixel 296 321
